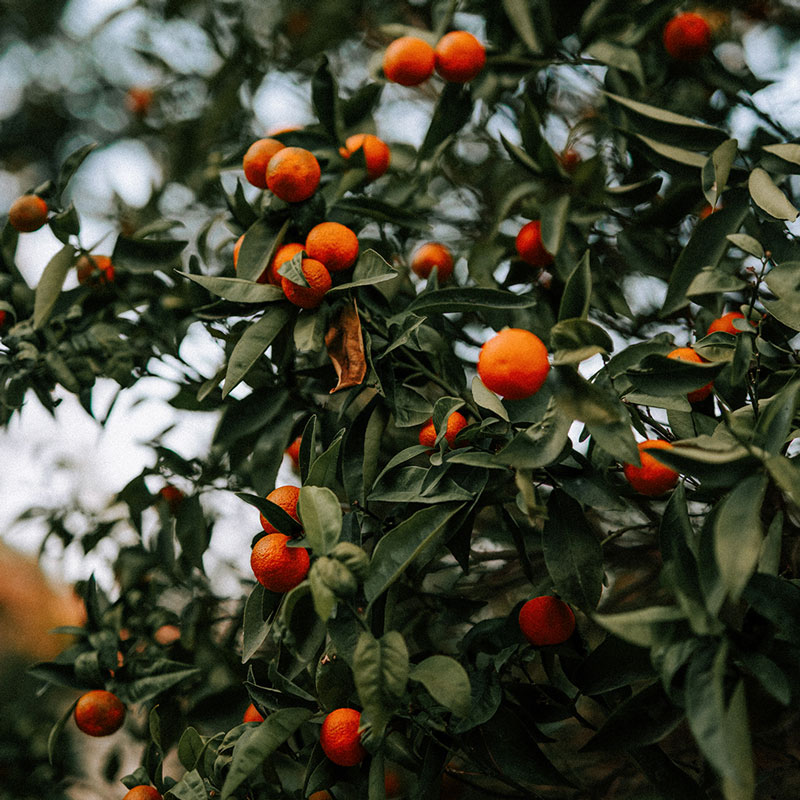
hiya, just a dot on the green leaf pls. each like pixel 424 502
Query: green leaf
pixel 446 681
pixel 256 621
pixel 775 423
pixel 324 468
pixel 190 748
pixel 414 541
pixel 615 55
pixel 717 169
pixel 486 399
pixel 325 99
pixel 380 672
pixel 237 290
pixel 777 600
pixel 57 730
pixel 577 339
pixel 65 224
pixel 788 152
pixel 672 153
pixel 321 516
pixel 577 292
pixel 146 255
pixel 252 345
pixel 768 197
pixel 541 444
pixel 661 114
pixel 783 281
pixel 452 112
pixel 251 752
pixel 738 534
pixel 520 16
pixel 191 531
pixel 49 286
pixel 259 245
pixel 452 299
pixel 714 281
pixel 370 269
pixel 190 787
pixel 554 216
pixel 273 512
pixel 746 243
pixel 71 164
pixel 643 627
pixel 572 553
pixel 740 784
pixel 658 375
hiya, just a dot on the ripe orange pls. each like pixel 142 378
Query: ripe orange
pixel 430 255
pixel 293 174
pixel 167 635
pixel 455 423
pixel 27 213
pixel 569 159
pixel 653 478
pixel 257 158
pixel 286 252
pixel 459 57
pixel 286 497
pixel 725 323
pixel 138 101
pixel 340 739
pixel 321 795
pixel 687 37
pixel 513 363
pixel 529 245
pixel 319 281
pixel 95 270
pixel 172 496
pixel 277 567
pixel 142 793
pixel 687 354
pixel 293 451
pixel 546 620
pixel 408 61
pixel 376 152
pixel 252 714
pixel 333 244
pixel 99 713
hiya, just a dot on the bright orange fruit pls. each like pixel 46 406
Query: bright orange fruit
pixel 99 713
pixel 340 739
pixel 653 478
pixel 286 497
pixel 277 567
pixel 27 213
pixel 95 270
pixel 455 423
pixel 459 57
pixel 408 61
pixel 529 245
pixel 513 363
pixel 333 244
pixel 430 255
pixel 257 158
pixel 687 37
pixel 546 621
pixel 319 281
pixel 376 152
pixel 293 174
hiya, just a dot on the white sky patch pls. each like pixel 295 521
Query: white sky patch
pixel 282 101
pixel 81 17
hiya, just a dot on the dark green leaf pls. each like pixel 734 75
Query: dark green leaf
pixel 238 290
pixel 49 286
pixel 451 113
pixel 446 681
pixel 71 164
pixel 325 99
pixel 578 291
pixel 147 255
pixel 453 299
pixel 380 670
pixel 321 516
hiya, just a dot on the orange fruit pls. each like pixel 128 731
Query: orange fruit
pixel 529 245
pixel 172 496
pixel 376 152
pixel 513 363
pixel 430 255
pixel 27 213
pixel 286 497
pixel 706 211
pixel 277 567
pixel 167 635
pixel 653 478
pixel 546 620
pixel 321 795
pixel 293 451
pixel 408 61
pixel 393 783
pixel 138 101
pixel 455 423
pixel 95 270
pixel 286 252
pixel 99 713
pixel 569 159
pixel 340 739
pixel 333 244
pixel 725 323
pixel 252 714
pixel 459 57
pixel 293 174
pixel 687 354
pixel 142 793
pixel 257 158
pixel 319 281
pixel 687 37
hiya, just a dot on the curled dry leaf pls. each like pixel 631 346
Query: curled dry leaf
pixel 346 348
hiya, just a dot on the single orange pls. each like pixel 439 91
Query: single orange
pixel 569 159
pixel 725 323
pixel 333 244
pixel 455 423
pixel 319 281
pixel 257 158
pixel 459 57
pixel 167 635
pixel 277 567
pixel 99 713
pixel 293 451
pixel 529 245
pixel 138 100
pixel 688 354
pixel 653 478
pixel 27 213
pixel 546 621
pixel 293 174
pixel 286 497
pixel 323 794
pixel 687 37
pixel 142 793
pixel 95 270
pixel 340 739
pixel 286 252
pixel 408 61
pixel 376 152
pixel 513 363
pixel 252 714
pixel 172 496
pixel 430 255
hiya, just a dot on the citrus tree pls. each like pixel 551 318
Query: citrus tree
pixel 535 372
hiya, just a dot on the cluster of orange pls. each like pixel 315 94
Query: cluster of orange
pixel 458 58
